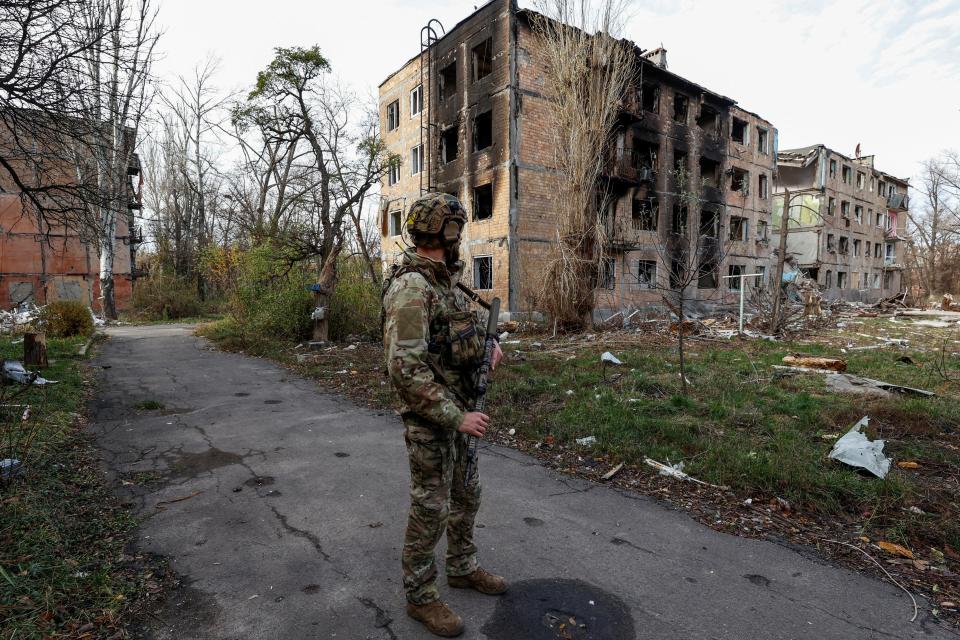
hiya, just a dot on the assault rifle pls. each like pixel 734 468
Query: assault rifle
pixel 488 348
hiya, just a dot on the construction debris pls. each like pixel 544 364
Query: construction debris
pixel 856 450
pixel 947 304
pixel 676 471
pixel 815 362
pixel 13 370
pixel 613 472
pixel 609 358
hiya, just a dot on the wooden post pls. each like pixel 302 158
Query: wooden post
pixel 35 350
pixel 778 276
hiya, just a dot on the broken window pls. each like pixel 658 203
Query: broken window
pixel 873 184
pixel 710 172
pixel 841 279
pixel 762 137
pixel 645 154
pixel 883 188
pixel 876 250
pixel 393 174
pixel 831 243
pixel 844 209
pixel 396 223
pixel 735 270
pixel 738 131
pixel 861 179
pixel 483 131
pixel 608 273
pixel 738 228
pixel 833 168
pixel 416 160
pixel 710 223
pixel 678 273
pixel 646 274
pixel 739 181
pixel 763 189
pixel 880 219
pixel 483 202
pixel 681 104
pixel 847 175
pixel 645 213
pixel 680 161
pixel 416 100
pixel 449 144
pixel 483 272
pixel 650 97
pixel 761 272
pixel 829 279
pixel 844 246
pixel 831 205
pixel 866 249
pixel 763 230
pixel 678 225
pixel 858 214
pixel 448 81
pixel 483 59
pixel 707 275
pixel 856 248
pixel 393 115
pixel 709 120
pixel 855 281
pixel 876 281
pixel 869 216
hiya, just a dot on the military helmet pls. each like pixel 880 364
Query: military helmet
pixel 434 220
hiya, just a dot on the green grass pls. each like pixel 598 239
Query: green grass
pixel 62 535
pixel 149 405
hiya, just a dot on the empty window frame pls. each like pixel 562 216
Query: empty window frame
pixel 763 140
pixel 396 222
pixel 738 228
pixel 483 202
pixel 873 184
pixel 882 188
pixel 831 205
pixel 831 242
pixel 844 246
pixel 608 274
pixel 847 175
pixel 709 223
pixel 680 161
pixel 447 82
pixel 828 281
pixel 735 270
pixel 739 181
pixel 681 106
pixel 844 209
pixel 707 275
pixel 645 213
pixel 709 120
pixel 856 248
pixel 833 168
pixel 738 131
pixel 710 172
pixel 393 115
pixel 763 230
pixel 483 272
pixel 483 131
pixel 678 224
pixel 416 159
pixel 761 277
pixel 876 281
pixel 841 280
pixel 646 274
pixel 763 186
pixel 449 144
pixel 645 154
pixel 877 250
pixel 867 251
pixel 650 97
pixel 483 59
pixel 393 173
pixel 678 273
pixel 861 179
pixel 416 100
pixel 858 214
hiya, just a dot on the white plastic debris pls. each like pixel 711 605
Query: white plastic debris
pixel 13 370
pixel 350 347
pixel 10 468
pixel 504 336
pixel 569 392
pixel 856 450
pixel 609 358
pixel 512 432
pixel 587 441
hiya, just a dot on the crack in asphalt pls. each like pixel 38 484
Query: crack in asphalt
pixel 308 536
pixel 382 619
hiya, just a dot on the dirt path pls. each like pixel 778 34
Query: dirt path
pixel 283 508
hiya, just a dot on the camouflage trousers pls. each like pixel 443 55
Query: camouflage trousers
pixel 438 501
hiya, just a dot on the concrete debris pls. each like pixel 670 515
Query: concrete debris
pixel 856 450
pixel 609 358
pixel 13 370
pixel 587 441
pixel 21 317
pixel 815 362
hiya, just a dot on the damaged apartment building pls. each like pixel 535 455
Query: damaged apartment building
pixel 847 222
pixel 468 116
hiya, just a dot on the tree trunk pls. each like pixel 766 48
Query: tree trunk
pixel 108 303
pixel 35 349
pixel 781 258
pixel 683 362
pixel 326 284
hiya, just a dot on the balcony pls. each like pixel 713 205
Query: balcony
pixel 898 201
pixel 625 165
pixel 630 108
pixel 890 263
pixel 134 168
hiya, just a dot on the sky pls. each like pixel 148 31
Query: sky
pixel 885 75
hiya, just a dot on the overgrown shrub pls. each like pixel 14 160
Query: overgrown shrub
pixel 267 295
pixel 66 318
pixel 164 297
pixel 355 305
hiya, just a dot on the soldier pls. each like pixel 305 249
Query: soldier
pixel 434 346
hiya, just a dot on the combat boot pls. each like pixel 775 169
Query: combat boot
pixel 437 617
pixel 481 580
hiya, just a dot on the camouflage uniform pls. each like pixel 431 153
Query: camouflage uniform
pixel 433 343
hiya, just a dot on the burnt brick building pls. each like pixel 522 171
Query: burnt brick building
pixel 469 116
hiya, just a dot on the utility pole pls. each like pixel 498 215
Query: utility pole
pixel 781 257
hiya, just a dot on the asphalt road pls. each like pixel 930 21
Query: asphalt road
pixel 296 501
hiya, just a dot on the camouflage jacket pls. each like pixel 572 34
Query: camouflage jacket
pixel 432 340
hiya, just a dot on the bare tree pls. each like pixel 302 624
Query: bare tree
pixel 118 92
pixel 935 224
pixel 588 74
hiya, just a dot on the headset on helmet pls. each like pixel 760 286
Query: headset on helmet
pixel 435 220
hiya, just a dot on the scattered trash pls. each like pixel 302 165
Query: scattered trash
pixel 585 442
pixel 13 370
pixel 11 468
pixel 350 348
pixel 609 358
pixel 609 474
pixel 569 392
pixel 856 450
pixel 815 362
pixel 908 464
pixel 512 432
pixel 916 510
pixel 895 549
pixel 676 471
